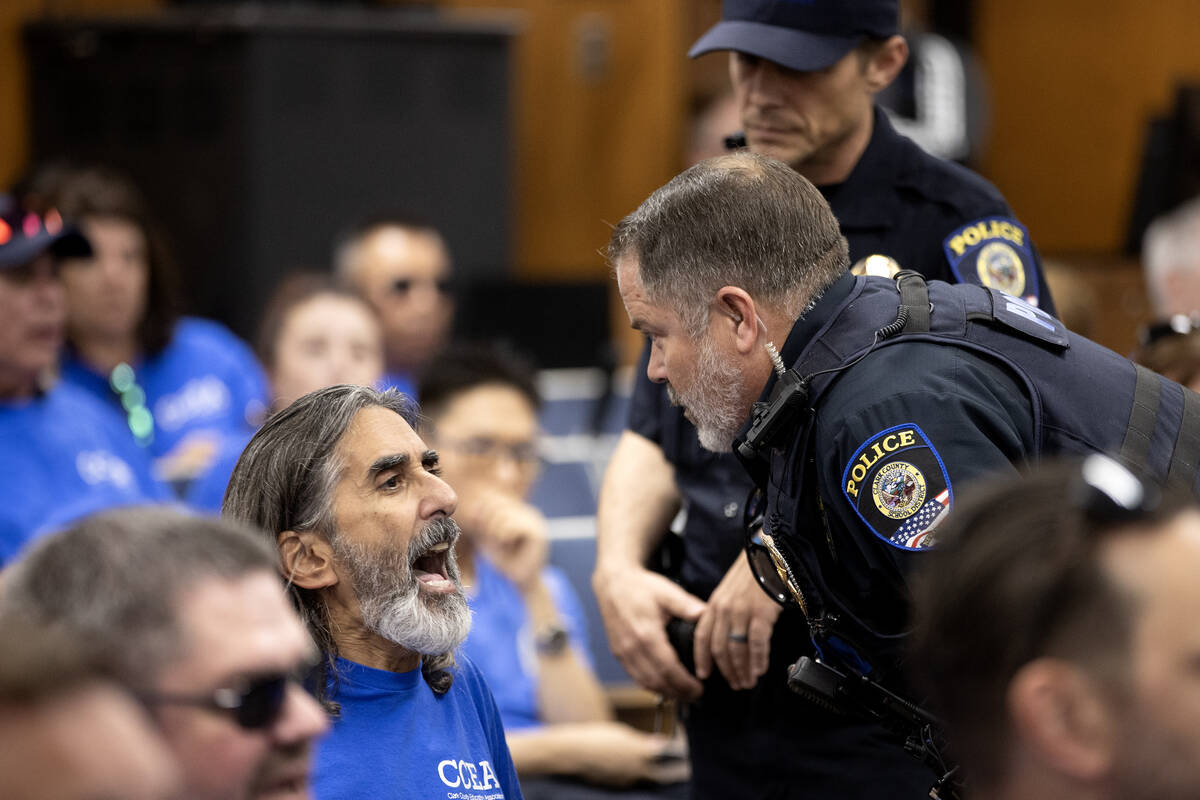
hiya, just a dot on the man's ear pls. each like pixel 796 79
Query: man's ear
pixel 306 559
pixel 884 63
pixel 736 312
pixel 1062 718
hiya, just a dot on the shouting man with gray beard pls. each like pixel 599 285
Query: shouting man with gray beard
pixel 352 500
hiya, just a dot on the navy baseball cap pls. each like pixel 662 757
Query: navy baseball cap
pixel 803 35
pixel 25 235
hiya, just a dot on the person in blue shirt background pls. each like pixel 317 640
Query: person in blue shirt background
pixel 180 382
pixel 528 635
pixel 313 334
pixel 62 455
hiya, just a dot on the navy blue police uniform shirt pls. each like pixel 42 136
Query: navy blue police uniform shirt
pixel 926 214
pixel 893 436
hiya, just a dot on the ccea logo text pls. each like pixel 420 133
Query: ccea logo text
pixel 101 466
pixel 466 775
pixel 199 398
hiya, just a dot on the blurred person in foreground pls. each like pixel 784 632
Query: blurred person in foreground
pixel 67 732
pixel 313 334
pixel 528 633
pixel 365 541
pixel 179 382
pixel 402 268
pixel 190 616
pixel 63 454
pixel 1056 635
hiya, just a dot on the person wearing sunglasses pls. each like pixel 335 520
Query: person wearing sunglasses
pixel 63 453
pixel 366 542
pixel 884 398
pixel 1055 635
pixel 402 268
pixel 188 614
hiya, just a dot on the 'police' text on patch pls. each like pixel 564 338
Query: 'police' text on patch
pixel 995 252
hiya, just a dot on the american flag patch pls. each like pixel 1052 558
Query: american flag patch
pixel 917 532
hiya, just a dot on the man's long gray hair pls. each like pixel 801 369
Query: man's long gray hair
pixel 284 481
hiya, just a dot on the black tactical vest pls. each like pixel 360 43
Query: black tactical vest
pixel 1085 398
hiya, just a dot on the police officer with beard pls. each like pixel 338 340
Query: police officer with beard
pixel 805 76
pixel 884 398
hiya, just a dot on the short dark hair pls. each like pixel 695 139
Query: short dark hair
pixel 295 290
pixel 113 582
pixel 100 191
pixel 346 242
pixel 284 481
pixel 465 366
pixel 741 219
pixel 1016 576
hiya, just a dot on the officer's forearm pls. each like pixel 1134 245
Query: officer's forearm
pixel 637 501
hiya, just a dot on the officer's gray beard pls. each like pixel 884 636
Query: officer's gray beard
pixel 714 400
pixel 390 596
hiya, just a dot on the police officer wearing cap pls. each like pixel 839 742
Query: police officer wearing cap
pixel 884 398
pixel 805 75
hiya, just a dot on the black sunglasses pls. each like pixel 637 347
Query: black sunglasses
pixel 405 285
pixel 1109 494
pixel 1174 325
pixel 255 705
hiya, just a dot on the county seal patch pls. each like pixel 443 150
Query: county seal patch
pixel 897 484
pixel 994 252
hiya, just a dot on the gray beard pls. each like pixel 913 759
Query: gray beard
pixel 714 399
pixel 390 598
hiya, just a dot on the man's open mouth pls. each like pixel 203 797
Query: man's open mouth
pixel 429 568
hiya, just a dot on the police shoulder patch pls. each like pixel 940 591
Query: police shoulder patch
pixel 995 252
pixel 897 484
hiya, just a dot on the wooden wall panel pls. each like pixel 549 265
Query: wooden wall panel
pixel 1073 83
pixel 601 91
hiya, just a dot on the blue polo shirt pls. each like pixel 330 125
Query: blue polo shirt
pixel 502 638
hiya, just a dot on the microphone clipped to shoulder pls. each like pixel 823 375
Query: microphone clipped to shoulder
pixel 780 411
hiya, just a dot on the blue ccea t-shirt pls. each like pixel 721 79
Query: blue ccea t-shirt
pixel 502 638
pixel 205 383
pixel 397 740
pixel 63 456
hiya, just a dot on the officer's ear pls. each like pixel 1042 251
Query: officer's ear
pixel 306 559
pixel 736 313
pixel 1061 719
pixel 881 62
